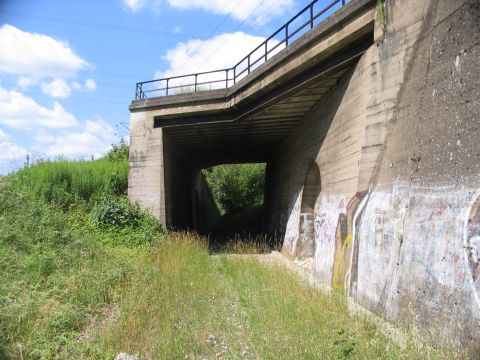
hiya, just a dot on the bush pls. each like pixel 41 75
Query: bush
pixel 118 183
pixel 119 152
pixel 236 187
pixel 117 211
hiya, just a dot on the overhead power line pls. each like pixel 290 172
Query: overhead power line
pixel 212 32
pixel 66 69
pixel 97 25
pixel 237 28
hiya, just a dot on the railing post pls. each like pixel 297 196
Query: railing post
pixel 311 16
pixel 234 75
pixel 266 51
pixel 248 64
pixel 166 91
pixel 286 35
pixel 226 78
pixel 195 88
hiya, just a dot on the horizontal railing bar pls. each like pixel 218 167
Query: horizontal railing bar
pixel 182 76
pixel 324 10
pixel 299 29
pixel 240 73
pixel 260 58
pixel 305 9
pixel 189 84
pixel 280 43
pixel 153 90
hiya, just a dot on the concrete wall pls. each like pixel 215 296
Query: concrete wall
pixel 396 142
pixel 146 165
pixel 189 204
pixel 204 206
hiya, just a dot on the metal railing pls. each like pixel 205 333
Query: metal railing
pixel 302 22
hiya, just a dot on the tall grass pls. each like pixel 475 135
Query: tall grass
pixel 66 182
pixel 59 265
pixel 56 270
pixel 182 303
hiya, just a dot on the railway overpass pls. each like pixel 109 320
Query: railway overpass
pixel 368 120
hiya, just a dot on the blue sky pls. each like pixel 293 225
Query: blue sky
pixel 68 68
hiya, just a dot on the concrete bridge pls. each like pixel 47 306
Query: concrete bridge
pixel 368 120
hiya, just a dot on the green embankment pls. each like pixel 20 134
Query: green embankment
pixel 84 275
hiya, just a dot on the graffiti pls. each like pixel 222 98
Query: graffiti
pixel 343 243
pixel 306 243
pixel 472 247
pixel 322 229
pixel 379 220
pixel 293 226
pixel 327 211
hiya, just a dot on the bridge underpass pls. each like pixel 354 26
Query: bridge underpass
pixel 253 136
pixel 248 122
pixel 369 126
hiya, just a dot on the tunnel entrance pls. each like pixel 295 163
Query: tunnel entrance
pixel 237 192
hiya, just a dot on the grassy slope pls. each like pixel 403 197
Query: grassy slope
pixel 188 304
pixel 69 289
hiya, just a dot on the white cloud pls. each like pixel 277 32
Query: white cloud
pixel 100 128
pixel 12 156
pixel 76 85
pixel 90 84
pixel 134 5
pixel 57 88
pixel 26 81
pixel 94 138
pixel 222 51
pixel 256 11
pixel 11 151
pixel 20 111
pixel 36 55
pixel 43 137
pixel 4 136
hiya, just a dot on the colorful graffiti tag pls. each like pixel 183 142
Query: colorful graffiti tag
pixel 472 247
pixel 344 242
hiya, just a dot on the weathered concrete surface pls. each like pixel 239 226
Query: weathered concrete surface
pixel 377 180
pixel 397 221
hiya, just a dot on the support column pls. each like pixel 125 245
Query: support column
pixel 146 171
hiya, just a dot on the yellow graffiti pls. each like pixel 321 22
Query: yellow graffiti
pixel 337 273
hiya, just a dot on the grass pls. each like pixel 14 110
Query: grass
pixel 70 182
pixel 184 303
pixel 73 288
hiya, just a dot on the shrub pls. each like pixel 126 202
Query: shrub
pixel 118 183
pixel 119 152
pixel 117 211
pixel 236 187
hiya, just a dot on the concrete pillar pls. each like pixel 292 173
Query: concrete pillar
pixel 146 171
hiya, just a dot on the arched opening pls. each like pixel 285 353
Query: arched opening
pixel 311 190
